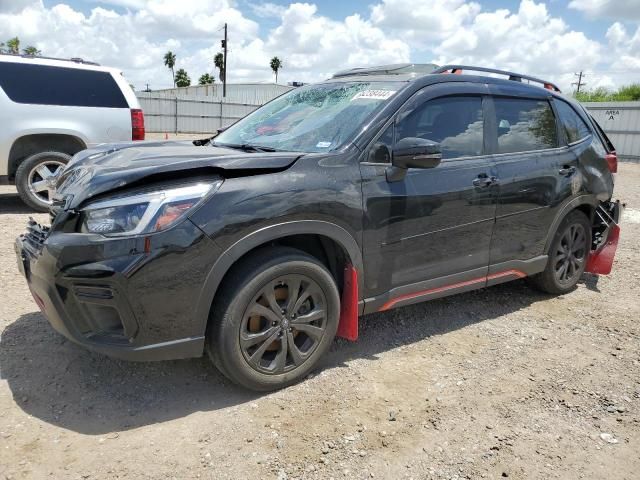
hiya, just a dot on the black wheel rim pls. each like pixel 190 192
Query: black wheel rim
pixel 571 254
pixel 283 324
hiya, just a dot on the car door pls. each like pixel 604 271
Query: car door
pixel 432 227
pixel 535 175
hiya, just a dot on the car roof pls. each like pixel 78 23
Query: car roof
pixel 430 73
pixel 78 63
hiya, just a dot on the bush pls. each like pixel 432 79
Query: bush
pixel 602 94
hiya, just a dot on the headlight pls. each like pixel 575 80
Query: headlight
pixel 143 213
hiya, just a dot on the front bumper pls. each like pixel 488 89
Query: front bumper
pixel 129 298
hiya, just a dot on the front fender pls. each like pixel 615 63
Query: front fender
pixel 264 235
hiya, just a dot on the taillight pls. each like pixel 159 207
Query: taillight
pixel 612 162
pixel 137 124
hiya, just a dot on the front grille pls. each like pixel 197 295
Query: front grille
pixel 35 236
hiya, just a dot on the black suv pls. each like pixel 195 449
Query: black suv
pixel 375 189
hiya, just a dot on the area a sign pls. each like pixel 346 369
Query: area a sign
pixel 611 114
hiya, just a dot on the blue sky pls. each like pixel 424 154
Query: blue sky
pixel 337 9
pixel 547 38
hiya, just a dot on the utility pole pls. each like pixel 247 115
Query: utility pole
pixel 224 63
pixel 579 83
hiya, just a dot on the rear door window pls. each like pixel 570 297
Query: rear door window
pixel 575 128
pixel 456 123
pixel 524 125
pixel 47 85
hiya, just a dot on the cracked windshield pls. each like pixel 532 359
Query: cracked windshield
pixel 316 118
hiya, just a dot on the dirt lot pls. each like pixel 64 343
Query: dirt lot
pixel 503 382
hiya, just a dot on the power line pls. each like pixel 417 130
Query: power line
pixel 579 83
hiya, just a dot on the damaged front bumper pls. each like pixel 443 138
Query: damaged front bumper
pixel 606 234
pixel 132 298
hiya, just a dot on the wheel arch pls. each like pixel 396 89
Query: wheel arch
pixel 584 203
pixel 315 237
pixel 30 144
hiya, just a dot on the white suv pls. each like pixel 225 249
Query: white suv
pixel 51 109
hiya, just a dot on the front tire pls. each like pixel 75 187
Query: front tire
pixel 567 256
pixel 36 178
pixel 275 317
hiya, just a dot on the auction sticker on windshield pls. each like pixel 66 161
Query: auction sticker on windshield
pixel 374 94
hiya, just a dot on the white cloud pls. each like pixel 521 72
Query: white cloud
pixel 528 40
pixel 423 22
pixel 622 9
pixel 313 46
pixel 625 48
pixel 12 6
pixel 267 9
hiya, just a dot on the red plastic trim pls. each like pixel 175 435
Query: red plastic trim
pixel 612 162
pixel 444 288
pixel 39 301
pixel 348 325
pixel 600 261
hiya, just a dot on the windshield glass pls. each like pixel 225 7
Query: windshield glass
pixel 314 118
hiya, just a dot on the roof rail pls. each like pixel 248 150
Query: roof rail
pixel 74 59
pixel 516 77
pixel 393 69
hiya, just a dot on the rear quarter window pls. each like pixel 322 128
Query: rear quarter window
pixel 524 125
pixel 47 85
pixel 575 128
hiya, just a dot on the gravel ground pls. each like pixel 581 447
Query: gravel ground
pixel 502 382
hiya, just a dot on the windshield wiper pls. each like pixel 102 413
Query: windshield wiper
pixel 246 147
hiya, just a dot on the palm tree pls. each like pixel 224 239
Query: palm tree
pixel 276 64
pixel 206 79
pixel 31 50
pixel 13 45
pixel 218 62
pixel 182 78
pixel 170 62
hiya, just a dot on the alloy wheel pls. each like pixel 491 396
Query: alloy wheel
pixel 571 253
pixel 42 180
pixel 284 324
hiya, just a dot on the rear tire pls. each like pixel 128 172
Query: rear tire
pixel 36 177
pixel 274 318
pixel 567 255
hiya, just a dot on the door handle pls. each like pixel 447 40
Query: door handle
pixel 483 180
pixel 567 170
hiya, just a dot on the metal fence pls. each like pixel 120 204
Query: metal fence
pixel 181 115
pixel 621 122
pixel 202 108
pixel 206 113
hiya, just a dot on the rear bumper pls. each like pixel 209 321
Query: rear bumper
pixel 600 260
pixel 133 306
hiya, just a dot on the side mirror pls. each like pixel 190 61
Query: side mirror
pixel 413 152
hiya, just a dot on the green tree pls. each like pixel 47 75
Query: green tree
pixel 13 45
pixel 182 78
pixel 206 79
pixel 170 62
pixel 626 93
pixel 31 50
pixel 276 64
pixel 218 62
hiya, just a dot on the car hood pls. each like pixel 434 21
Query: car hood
pixel 114 166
